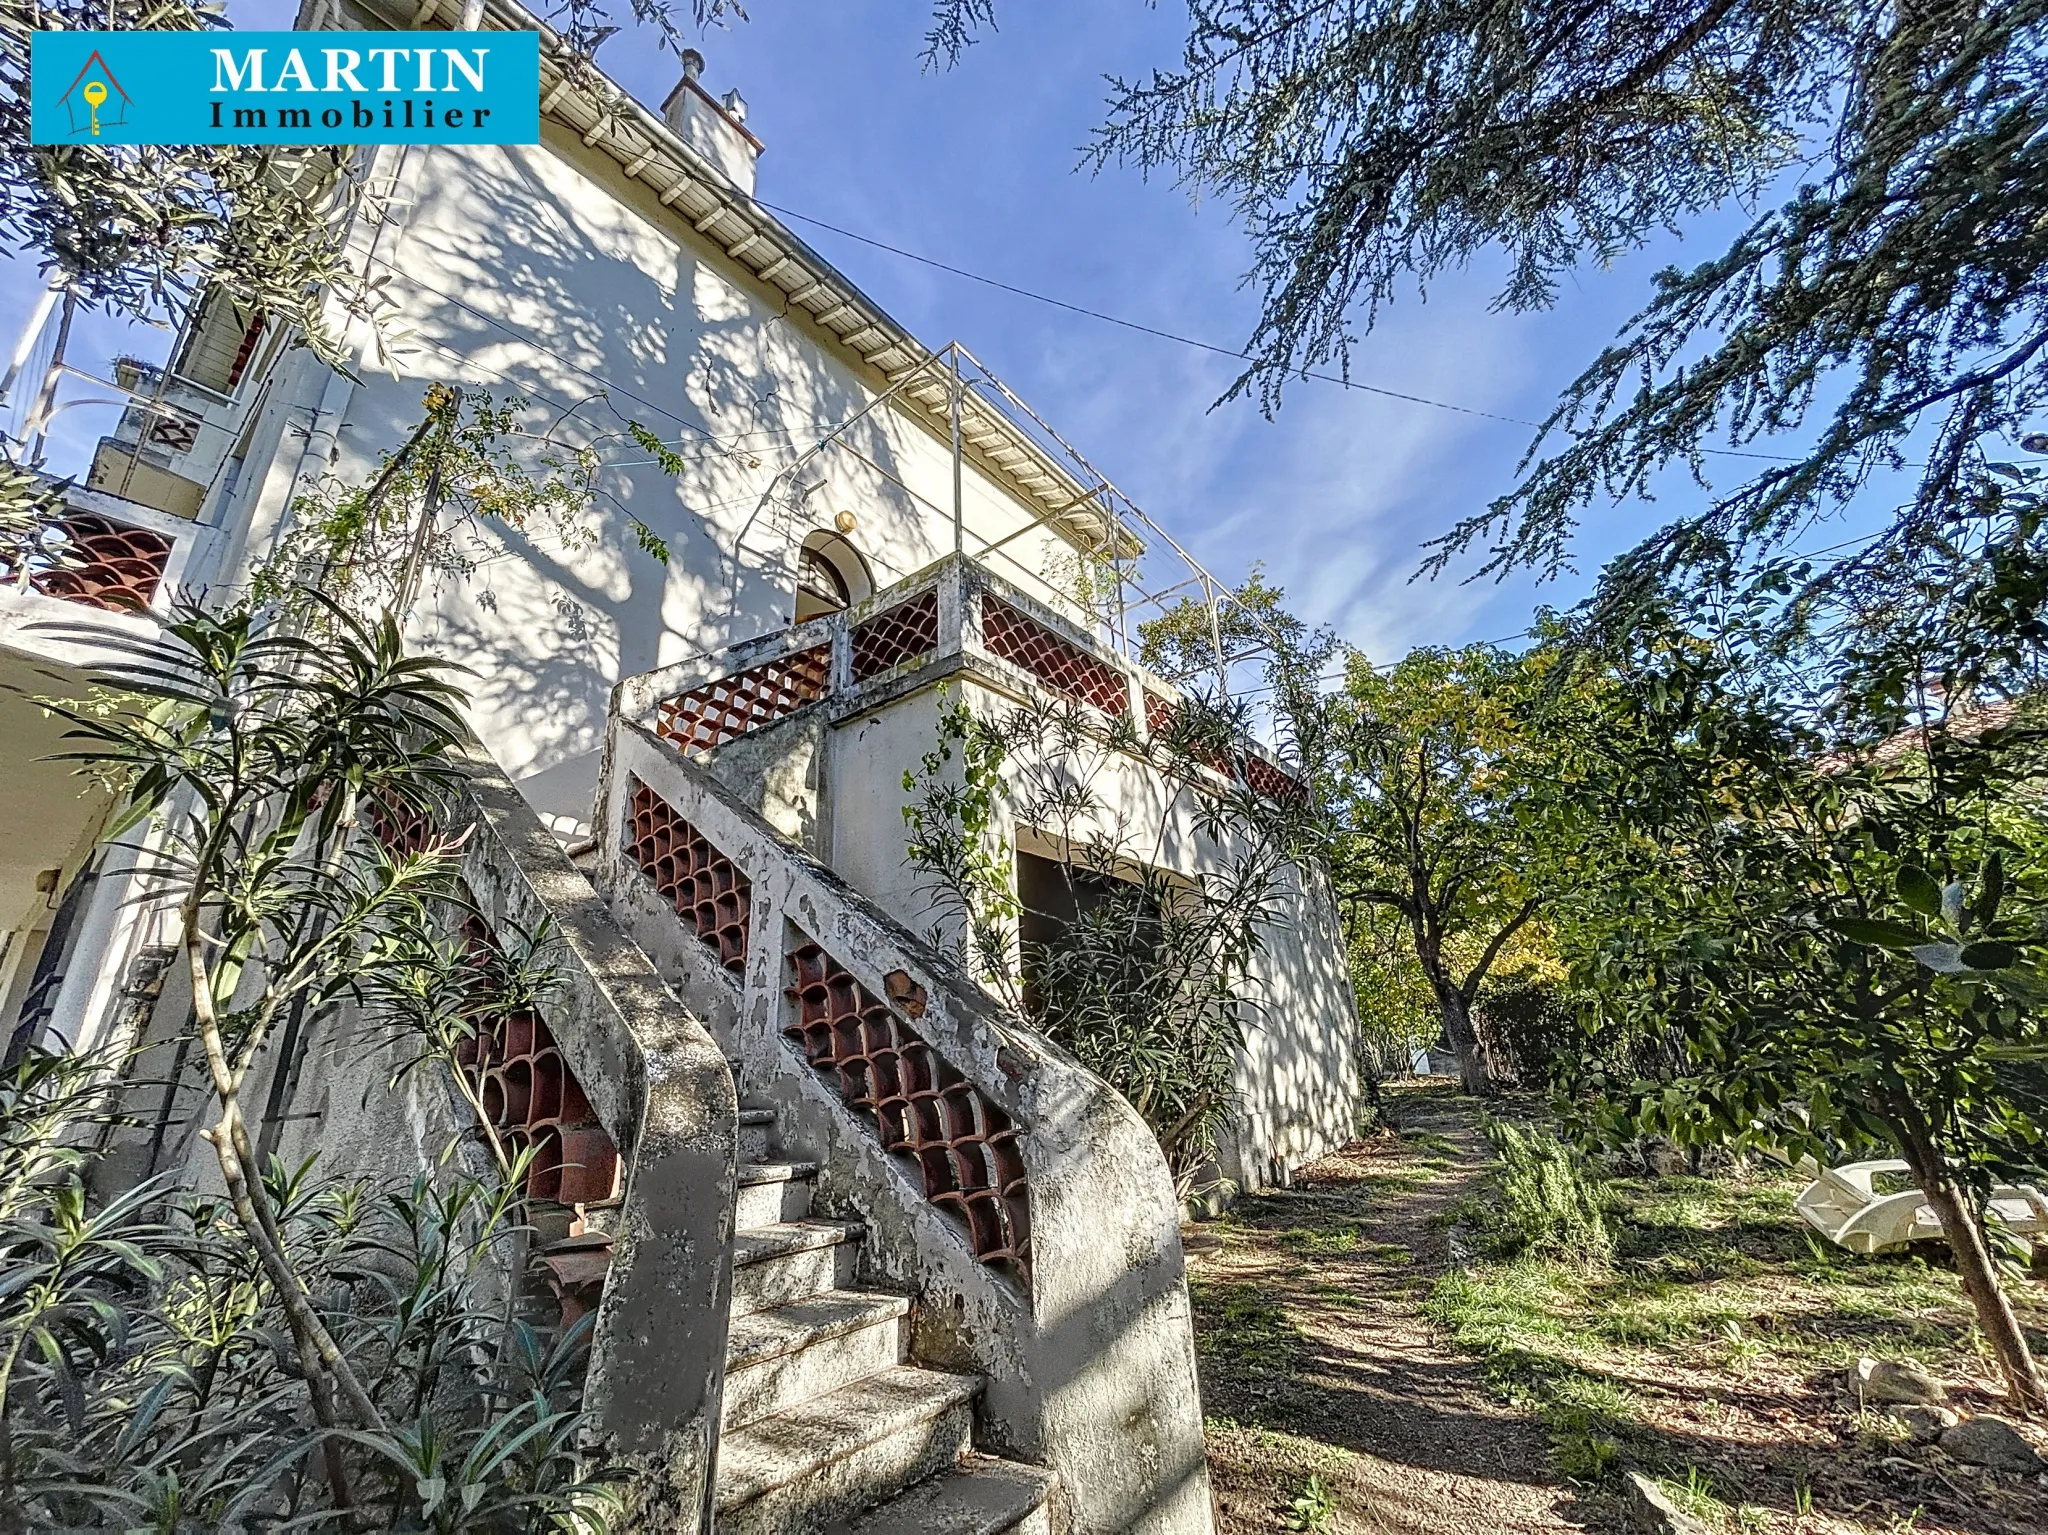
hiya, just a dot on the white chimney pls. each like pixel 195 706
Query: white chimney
pixel 716 129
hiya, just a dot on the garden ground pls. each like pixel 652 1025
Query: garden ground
pixel 1357 1381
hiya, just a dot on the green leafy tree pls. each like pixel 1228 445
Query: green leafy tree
pixel 255 751
pixel 1440 795
pixel 142 231
pixel 1202 645
pixel 1830 898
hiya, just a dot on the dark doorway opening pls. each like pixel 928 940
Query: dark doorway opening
pixel 1054 896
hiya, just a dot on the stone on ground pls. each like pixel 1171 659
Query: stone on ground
pixel 1650 1512
pixel 1926 1422
pixel 1993 1443
pixel 1887 1380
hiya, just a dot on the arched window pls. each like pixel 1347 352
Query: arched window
pixel 830 575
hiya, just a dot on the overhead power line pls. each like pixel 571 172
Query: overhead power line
pixel 1192 341
pixel 1136 325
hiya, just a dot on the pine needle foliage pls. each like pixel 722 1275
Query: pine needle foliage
pixel 1883 310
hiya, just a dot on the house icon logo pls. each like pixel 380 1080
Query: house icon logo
pixel 95 99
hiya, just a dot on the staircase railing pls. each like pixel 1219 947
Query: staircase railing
pixel 659 1089
pixel 1015 1194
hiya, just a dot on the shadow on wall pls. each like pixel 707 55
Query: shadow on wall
pixel 537 271
pixel 1297 1077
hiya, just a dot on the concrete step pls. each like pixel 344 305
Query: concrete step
pixel 771 1193
pixel 799 1352
pixel 757 1132
pixel 829 1459
pixel 775 1265
pixel 979 1496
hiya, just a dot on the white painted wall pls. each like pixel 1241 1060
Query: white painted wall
pixel 1297 1078
pixel 542 271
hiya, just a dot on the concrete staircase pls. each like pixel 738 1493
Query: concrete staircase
pixel 829 1428
pixel 1021 1227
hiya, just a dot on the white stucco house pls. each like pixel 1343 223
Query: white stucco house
pixel 697 764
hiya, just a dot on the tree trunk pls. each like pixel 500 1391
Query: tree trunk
pixel 1473 1065
pixel 1958 1216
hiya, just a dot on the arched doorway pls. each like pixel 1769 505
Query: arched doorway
pixel 830 575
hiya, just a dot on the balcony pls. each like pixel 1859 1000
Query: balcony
pixel 100 560
pixel 813 730
pixel 170 444
pixel 950 619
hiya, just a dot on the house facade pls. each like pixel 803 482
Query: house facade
pixel 695 764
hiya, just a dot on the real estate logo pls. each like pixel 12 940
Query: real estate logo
pixel 92 89
pixel 284 88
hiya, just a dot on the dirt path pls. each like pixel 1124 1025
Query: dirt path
pixel 1318 1363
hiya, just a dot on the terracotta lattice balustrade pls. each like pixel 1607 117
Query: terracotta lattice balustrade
pixel 965 1147
pixel 1269 782
pixel 405 830
pixel 1158 713
pixel 528 1093
pixel 92 560
pixel 1058 663
pixel 706 888
pixel 908 630
pixel 1259 775
pixel 532 1098
pixel 723 710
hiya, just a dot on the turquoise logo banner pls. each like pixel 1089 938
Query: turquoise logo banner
pixel 284 88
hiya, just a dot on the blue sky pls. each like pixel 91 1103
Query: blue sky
pixel 977 167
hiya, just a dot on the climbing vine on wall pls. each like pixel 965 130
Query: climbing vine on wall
pixel 956 843
pixel 1147 976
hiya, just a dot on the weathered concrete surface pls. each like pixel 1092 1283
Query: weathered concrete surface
pixel 1091 1373
pixel 830 777
pixel 659 1084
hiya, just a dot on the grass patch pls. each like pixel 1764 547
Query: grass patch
pixel 1320 1241
pixel 1406 1180
pixel 1710 1276
pixel 1266 1476
pixel 1240 1324
pixel 1694 1494
pixel 1430 1141
pixel 1520 1317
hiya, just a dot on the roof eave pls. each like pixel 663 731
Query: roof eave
pixel 608 117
